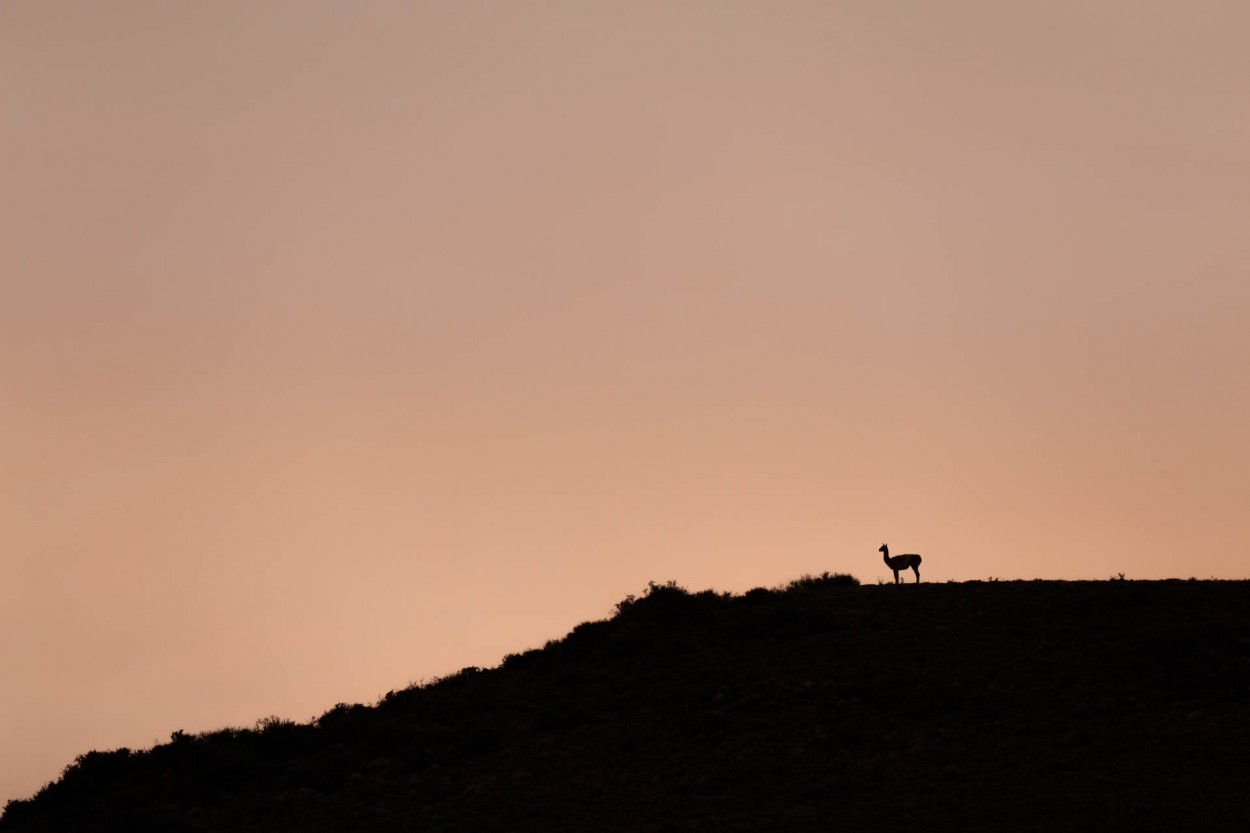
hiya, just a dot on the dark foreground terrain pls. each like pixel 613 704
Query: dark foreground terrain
pixel 998 706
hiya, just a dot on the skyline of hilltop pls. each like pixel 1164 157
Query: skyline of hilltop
pixel 347 340
pixel 974 706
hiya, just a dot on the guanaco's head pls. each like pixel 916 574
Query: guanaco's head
pixel 883 548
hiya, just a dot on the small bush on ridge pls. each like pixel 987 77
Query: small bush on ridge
pixel 825 579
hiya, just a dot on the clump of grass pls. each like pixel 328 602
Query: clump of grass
pixel 825 579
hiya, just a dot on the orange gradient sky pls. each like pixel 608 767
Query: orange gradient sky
pixel 347 344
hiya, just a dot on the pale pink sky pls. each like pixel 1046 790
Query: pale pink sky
pixel 348 344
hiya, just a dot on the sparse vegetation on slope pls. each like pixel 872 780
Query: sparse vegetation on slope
pixel 1011 705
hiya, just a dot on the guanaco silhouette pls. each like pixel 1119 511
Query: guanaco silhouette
pixel 901 562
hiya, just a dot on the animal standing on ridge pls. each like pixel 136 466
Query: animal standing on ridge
pixel 901 562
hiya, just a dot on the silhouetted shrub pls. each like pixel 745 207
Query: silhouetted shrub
pixel 18 810
pixel 342 717
pixel 227 736
pixel 825 579
pixel 533 658
pixel 668 592
pixel 96 765
pixel 667 603
pixel 581 641
pixel 279 738
pixel 589 632
pixel 273 725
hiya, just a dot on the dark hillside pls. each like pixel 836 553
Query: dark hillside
pixel 1025 705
